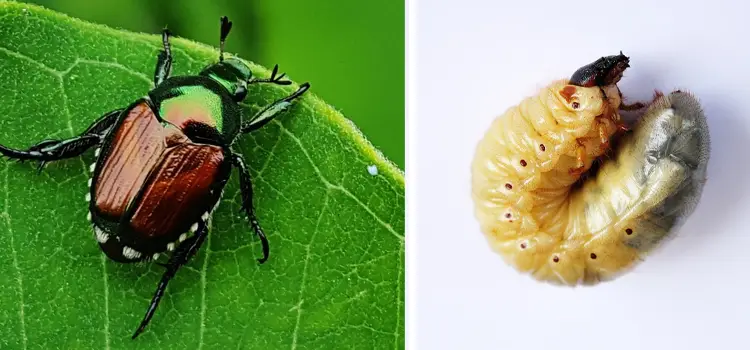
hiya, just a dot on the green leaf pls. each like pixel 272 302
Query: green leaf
pixel 335 277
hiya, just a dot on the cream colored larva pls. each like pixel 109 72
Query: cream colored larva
pixel 542 220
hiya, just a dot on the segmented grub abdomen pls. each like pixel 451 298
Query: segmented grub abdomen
pixel 586 234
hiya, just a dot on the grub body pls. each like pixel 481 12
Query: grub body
pixel 559 233
pixel 645 193
pixel 519 207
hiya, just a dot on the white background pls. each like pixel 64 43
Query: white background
pixel 473 59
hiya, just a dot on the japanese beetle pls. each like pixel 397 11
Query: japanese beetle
pixel 162 162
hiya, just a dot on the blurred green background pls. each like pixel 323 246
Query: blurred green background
pixel 351 52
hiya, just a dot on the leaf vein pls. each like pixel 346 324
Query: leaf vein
pixel 115 65
pixel 14 254
pixel 106 301
pixel 105 281
pixel 270 155
pixel 304 273
pixel 28 59
pixel 204 269
pixel 340 188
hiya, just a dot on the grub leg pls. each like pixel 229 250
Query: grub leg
pixel 580 160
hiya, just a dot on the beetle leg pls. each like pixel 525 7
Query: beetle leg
pixel 246 187
pixel 102 125
pixel 273 79
pixel 164 61
pixel 266 114
pixel 52 150
pixel 181 256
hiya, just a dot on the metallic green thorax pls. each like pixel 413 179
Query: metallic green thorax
pixel 193 104
pixel 205 106
pixel 201 106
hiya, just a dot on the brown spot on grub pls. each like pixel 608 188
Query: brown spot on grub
pixel 568 92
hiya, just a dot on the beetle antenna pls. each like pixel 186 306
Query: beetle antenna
pixel 226 26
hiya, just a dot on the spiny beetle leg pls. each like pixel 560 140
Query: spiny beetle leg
pixel 181 256
pixel 241 92
pixel 246 186
pixel 268 113
pixel 40 146
pixel 102 125
pixel 164 61
pixel 52 150
pixel 273 79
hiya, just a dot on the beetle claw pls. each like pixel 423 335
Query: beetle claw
pixel 41 167
pixel 278 80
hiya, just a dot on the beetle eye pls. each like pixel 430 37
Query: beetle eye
pixel 576 105
pixel 240 94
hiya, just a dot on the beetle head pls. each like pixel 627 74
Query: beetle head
pixel 602 72
pixel 231 73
